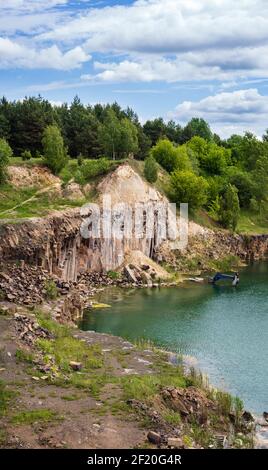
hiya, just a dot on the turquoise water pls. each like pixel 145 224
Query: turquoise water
pixel 225 328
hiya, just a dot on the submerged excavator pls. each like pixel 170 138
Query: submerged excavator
pixel 221 277
pixel 218 277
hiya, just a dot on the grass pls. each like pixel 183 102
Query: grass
pixel 145 387
pixel 5 398
pixel 24 356
pixel 252 224
pixel 171 417
pixel 21 162
pixel 35 416
pixel 67 349
pixel 226 263
pixel 11 199
pixel 59 331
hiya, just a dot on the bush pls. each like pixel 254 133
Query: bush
pixel 51 290
pixel 80 160
pixel 26 155
pixel 92 169
pixel 189 188
pixel 5 154
pixel 55 155
pixel 166 154
pixel 150 169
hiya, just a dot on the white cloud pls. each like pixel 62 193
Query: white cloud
pixel 15 55
pixel 229 113
pixel 174 40
pixel 30 5
pixel 170 40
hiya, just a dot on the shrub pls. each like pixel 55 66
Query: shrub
pixel 80 160
pixel 166 154
pixel 92 169
pixel 150 169
pixel 26 155
pixel 5 154
pixel 51 290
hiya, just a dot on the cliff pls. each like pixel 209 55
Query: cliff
pixel 55 242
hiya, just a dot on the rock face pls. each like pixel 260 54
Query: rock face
pixel 55 244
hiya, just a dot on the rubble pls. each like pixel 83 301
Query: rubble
pixel 28 331
pixel 188 401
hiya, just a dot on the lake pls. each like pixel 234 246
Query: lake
pixel 224 328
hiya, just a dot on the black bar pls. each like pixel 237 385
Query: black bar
pixel 121 458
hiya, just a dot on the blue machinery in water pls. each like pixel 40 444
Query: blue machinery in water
pixel 220 277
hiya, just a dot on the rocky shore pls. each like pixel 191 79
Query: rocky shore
pixel 119 395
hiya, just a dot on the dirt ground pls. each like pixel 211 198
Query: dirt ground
pixel 85 422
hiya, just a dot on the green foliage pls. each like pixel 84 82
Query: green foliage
pixel 166 154
pixel 197 127
pixel 59 331
pixel 80 160
pixel 118 137
pixel 5 154
pixel 26 155
pixel 89 170
pixel 244 184
pixel 213 159
pixel 229 207
pixel 51 290
pixel 150 169
pixel 55 155
pixel 171 417
pixel 66 349
pixel 113 274
pixel 189 188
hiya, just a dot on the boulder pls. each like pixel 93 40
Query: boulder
pixel 154 437
pixel 174 442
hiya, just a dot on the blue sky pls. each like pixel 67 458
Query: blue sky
pixel 175 58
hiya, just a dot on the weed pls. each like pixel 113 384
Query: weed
pixel 51 290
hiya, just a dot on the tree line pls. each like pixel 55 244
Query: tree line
pixel 221 176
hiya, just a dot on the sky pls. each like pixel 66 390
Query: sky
pixel 172 58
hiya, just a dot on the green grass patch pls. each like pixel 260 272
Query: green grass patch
pixel 6 396
pixel 252 224
pixel 67 349
pixel 35 416
pixel 145 387
pixel 14 202
pixel 171 417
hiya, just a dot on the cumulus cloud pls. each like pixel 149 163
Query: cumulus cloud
pixel 169 26
pixel 15 55
pixel 192 39
pixel 229 113
pixel 168 40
